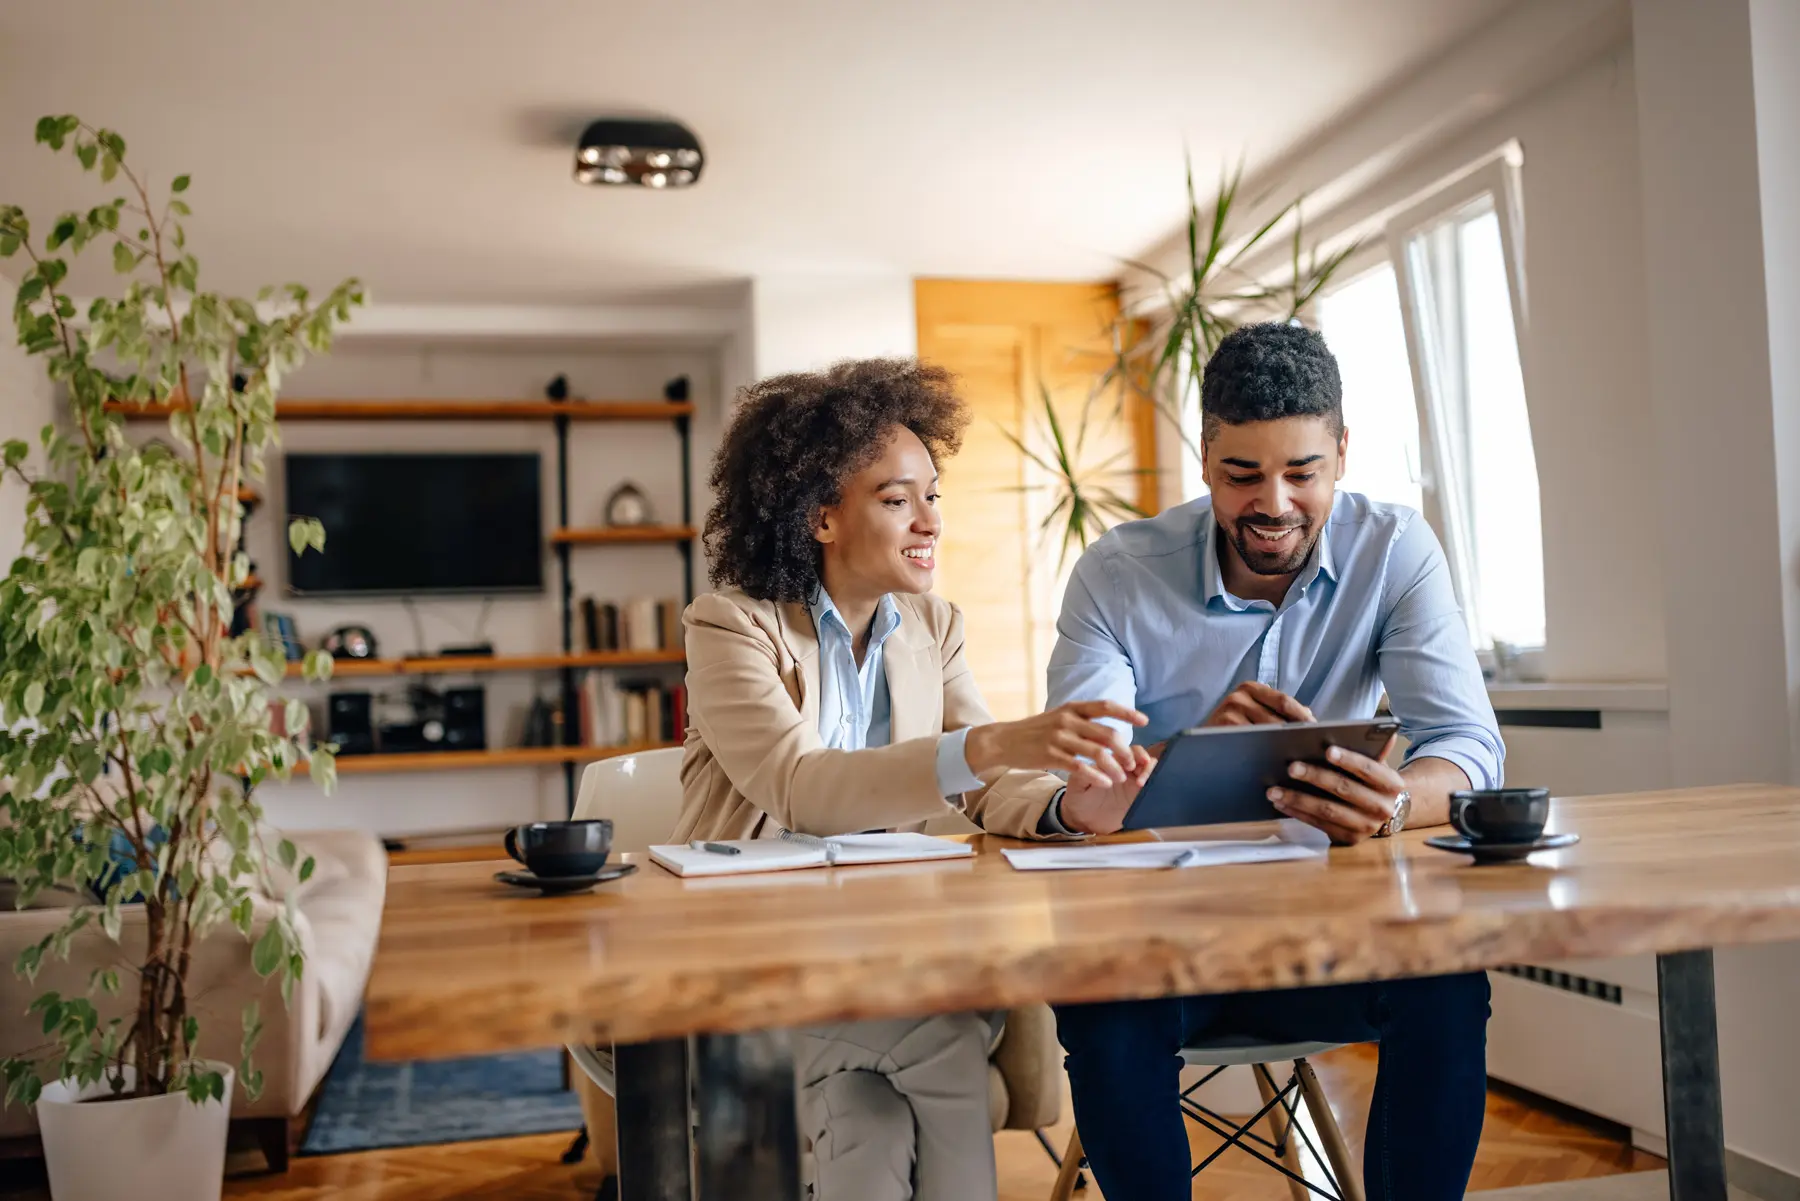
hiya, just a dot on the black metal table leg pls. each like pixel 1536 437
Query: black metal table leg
pixel 1690 1056
pixel 747 1135
pixel 655 1127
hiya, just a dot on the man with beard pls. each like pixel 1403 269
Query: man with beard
pixel 1274 599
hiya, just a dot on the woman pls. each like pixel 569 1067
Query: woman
pixel 828 694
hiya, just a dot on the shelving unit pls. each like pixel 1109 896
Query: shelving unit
pixel 445 410
pixel 514 756
pixel 564 539
pixel 623 534
pixel 456 664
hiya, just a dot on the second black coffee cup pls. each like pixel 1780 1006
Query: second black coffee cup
pixel 1500 814
pixel 561 848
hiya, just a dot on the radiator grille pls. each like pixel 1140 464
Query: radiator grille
pixel 1599 990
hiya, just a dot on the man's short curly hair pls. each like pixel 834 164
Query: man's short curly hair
pixel 1269 371
pixel 794 441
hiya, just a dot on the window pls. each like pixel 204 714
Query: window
pixel 1361 323
pixel 1462 301
pixel 1425 335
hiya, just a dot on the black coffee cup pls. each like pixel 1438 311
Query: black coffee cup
pixel 561 848
pixel 1500 814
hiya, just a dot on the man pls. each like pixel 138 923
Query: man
pixel 1278 599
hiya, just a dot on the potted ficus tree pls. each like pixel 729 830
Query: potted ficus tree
pixel 136 714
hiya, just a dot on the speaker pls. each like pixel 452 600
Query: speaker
pixel 350 717
pixel 465 719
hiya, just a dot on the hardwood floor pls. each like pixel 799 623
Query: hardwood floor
pixel 1523 1143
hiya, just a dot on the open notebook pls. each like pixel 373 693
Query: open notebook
pixel 791 852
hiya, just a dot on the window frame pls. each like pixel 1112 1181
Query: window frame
pixel 1497 180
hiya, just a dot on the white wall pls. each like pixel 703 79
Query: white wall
pixel 1719 104
pixel 601 456
pixel 26 406
pixel 803 323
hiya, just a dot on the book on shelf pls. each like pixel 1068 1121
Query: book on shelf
pixel 590 623
pixel 630 713
pixel 642 633
pixel 639 624
pixel 279 629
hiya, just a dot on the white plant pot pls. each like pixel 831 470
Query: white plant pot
pixel 147 1149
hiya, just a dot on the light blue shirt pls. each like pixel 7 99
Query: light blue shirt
pixel 1147 622
pixel 855 710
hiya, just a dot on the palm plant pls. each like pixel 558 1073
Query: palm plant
pixel 1086 504
pixel 1162 359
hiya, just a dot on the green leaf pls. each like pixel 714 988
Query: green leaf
pixel 180 206
pixel 34 698
pixel 9 245
pixel 180 184
pixel 268 953
pixel 124 261
pixel 287 853
pixel 306 869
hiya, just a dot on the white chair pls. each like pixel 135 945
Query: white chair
pixel 1280 1109
pixel 641 795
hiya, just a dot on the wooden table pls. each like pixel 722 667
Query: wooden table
pixel 695 980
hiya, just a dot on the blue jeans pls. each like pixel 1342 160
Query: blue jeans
pixel 1424 1120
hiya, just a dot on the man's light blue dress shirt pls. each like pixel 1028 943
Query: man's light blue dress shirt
pixel 1147 622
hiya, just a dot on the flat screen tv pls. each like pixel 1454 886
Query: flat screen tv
pixel 401 524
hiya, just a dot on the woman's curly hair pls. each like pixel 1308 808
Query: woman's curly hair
pixel 794 441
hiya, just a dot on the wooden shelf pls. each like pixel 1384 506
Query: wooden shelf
pixel 517 756
pixel 617 534
pixel 447 410
pixel 452 664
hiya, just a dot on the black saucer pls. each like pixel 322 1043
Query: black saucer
pixel 1501 852
pixel 552 885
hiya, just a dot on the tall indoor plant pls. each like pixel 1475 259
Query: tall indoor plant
pixel 135 716
pixel 1160 344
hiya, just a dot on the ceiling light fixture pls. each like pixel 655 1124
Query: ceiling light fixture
pixel 651 154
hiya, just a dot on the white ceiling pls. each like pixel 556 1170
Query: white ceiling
pixel 426 145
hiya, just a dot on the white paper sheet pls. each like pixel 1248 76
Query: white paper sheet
pixel 1151 855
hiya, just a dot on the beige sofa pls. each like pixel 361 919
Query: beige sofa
pixel 339 919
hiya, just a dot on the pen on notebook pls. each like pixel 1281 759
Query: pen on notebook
pixel 716 848
pixel 1187 858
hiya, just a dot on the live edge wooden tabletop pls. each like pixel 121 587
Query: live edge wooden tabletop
pixel 467 965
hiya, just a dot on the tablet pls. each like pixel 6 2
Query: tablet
pixel 1223 773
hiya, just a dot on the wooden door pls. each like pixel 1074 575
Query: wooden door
pixel 1007 341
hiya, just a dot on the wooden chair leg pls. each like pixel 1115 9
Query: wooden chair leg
pixel 1279 1132
pixel 1071 1168
pixel 1348 1178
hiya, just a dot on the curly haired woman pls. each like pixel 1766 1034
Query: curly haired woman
pixel 829 694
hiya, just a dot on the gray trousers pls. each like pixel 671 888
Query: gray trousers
pixel 898 1110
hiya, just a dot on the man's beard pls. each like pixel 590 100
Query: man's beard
pixel 1281 562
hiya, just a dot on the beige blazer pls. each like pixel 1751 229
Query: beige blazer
pixel 754 762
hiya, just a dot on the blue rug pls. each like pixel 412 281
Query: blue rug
pixel 365 1106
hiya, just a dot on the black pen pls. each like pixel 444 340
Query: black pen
pixel 716 848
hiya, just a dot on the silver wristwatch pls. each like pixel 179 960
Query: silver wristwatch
pixel 1396 821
